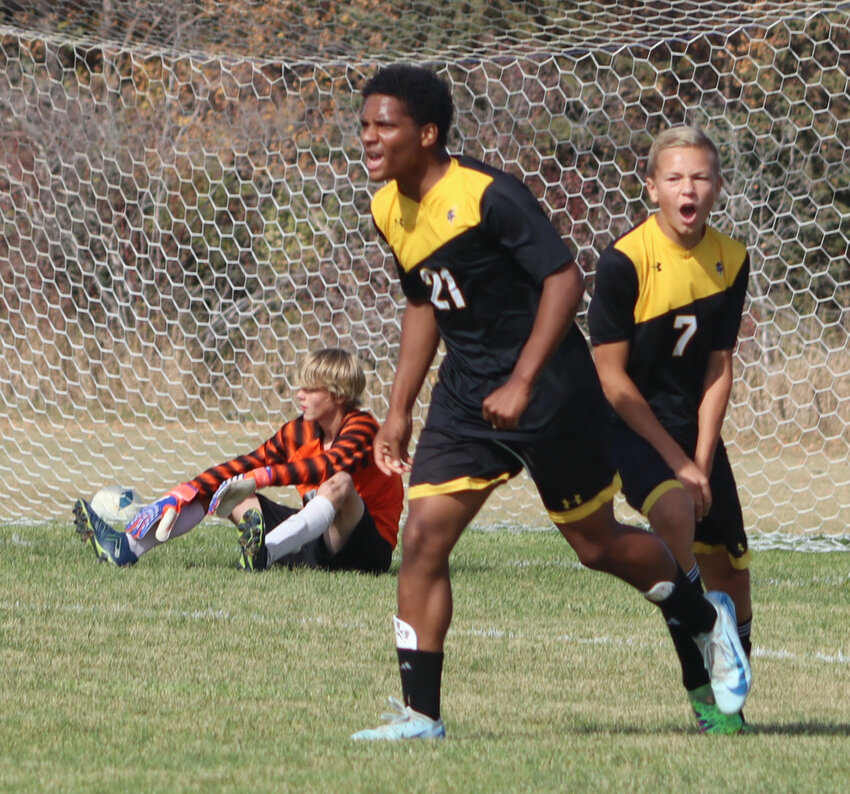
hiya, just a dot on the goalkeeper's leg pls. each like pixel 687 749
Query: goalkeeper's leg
pixel 333 512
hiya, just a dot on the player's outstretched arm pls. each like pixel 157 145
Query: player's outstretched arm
pixel 419 340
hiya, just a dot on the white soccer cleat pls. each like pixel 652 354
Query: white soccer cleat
pixel 403 723
pixel 725 660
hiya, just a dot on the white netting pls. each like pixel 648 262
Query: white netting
pixel 185 212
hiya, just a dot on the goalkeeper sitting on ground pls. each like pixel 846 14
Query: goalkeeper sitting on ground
pixel 351 510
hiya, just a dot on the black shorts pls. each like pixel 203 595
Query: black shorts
pixel 366 550
pixel 573 475
pixel 646 476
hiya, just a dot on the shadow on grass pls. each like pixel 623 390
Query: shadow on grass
pixel 802 729
pixel 764 728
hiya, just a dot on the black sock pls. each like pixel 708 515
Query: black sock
pixel 694 674
pixel 744 630
pixel 421 674
pixel 687 605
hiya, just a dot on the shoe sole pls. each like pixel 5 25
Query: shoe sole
pixel 83 527
pixel 251 542
pixel 388 734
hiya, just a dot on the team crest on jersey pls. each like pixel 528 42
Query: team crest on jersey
pixel 719 267
pixel 451 215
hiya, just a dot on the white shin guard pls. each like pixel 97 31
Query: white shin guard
pixel 306 525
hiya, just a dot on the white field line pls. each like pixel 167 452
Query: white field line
pixel 838 657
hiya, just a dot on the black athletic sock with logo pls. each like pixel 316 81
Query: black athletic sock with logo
pixel 694 674
pixel 687 604
pixel 421 677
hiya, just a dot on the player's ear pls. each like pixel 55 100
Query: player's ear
pixel 652 190
pixel 429 135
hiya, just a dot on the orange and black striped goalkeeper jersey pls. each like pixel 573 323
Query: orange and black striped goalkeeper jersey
pixel 296 456
pixel 674 307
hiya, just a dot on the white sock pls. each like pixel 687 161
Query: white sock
pixel 190 516
pixel 306 525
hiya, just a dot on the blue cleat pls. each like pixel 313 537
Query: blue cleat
pixel 108 544
pixel 403 723
pixel 725 660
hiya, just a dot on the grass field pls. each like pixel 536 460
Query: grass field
pixel 183 674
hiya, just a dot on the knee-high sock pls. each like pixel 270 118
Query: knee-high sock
pixel 306 525
pixel 421 671
pixel 694 674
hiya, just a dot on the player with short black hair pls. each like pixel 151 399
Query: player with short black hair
pixel 484 270
pixel 664 322
pixel 351 509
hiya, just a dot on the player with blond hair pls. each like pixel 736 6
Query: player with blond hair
pixel 664 322
pixel 349 519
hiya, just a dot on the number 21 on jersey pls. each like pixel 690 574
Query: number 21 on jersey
pixel 445 293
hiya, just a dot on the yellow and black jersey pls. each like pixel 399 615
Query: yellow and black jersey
pixel 478 247
pixel 674 307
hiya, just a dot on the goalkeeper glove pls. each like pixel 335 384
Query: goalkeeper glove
pixel 231 492
pixel 165 510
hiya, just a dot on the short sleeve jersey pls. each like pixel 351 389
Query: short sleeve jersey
pixel 674 307
pixel 478 247
pixel 296 456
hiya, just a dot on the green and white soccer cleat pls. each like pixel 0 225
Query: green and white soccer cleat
pixel 252 541
pixel 403 723
pixel 712 720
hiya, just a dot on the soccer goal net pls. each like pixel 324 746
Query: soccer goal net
pixel 185 213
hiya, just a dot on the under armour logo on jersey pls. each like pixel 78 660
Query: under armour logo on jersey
pixel 719 267
pixel 657 267
pixel 399 221
pixel 451 215
pixel 569 504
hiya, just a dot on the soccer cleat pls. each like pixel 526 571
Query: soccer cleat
pixel 709 718
pixel 403 723
pixel 724 657
pixel 252 541
pixel 108 544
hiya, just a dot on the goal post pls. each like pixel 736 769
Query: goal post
pixel 185 213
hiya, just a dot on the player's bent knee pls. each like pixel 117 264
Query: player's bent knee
pixel 337 488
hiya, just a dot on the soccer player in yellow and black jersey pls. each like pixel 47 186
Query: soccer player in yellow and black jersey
pixel 664 321
pixel 351 510
pixel 484 270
